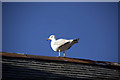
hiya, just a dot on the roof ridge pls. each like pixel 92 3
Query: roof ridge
pixel 65 59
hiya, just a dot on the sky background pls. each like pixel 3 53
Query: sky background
pixel 27 25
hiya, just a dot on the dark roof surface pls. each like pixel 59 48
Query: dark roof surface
pixel 64 59
pixel 32 67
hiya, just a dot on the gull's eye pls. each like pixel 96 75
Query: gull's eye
pixel 51 36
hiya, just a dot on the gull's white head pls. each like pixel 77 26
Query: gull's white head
pixel 52 37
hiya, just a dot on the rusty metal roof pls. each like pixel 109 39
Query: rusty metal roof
pixel 64 59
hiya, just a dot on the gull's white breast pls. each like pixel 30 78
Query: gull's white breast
pixel 54 47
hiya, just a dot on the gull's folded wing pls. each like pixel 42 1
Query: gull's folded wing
pixel 61 42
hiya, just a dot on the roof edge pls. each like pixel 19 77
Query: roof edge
pixel 64 59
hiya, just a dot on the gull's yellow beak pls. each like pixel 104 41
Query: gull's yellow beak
pixel 47 39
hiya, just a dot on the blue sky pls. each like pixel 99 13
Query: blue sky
pixel 26 26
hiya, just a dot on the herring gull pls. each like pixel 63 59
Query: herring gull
pixel 61 45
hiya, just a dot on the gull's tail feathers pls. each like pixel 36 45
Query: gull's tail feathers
pixel 76 40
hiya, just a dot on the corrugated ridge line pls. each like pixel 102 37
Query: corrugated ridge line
pixel 72 60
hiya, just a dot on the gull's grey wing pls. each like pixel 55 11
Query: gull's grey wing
pixel 62 42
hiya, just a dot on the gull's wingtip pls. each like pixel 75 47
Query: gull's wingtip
pixel 76 40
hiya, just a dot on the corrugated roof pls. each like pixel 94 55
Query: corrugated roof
pixel 64 59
